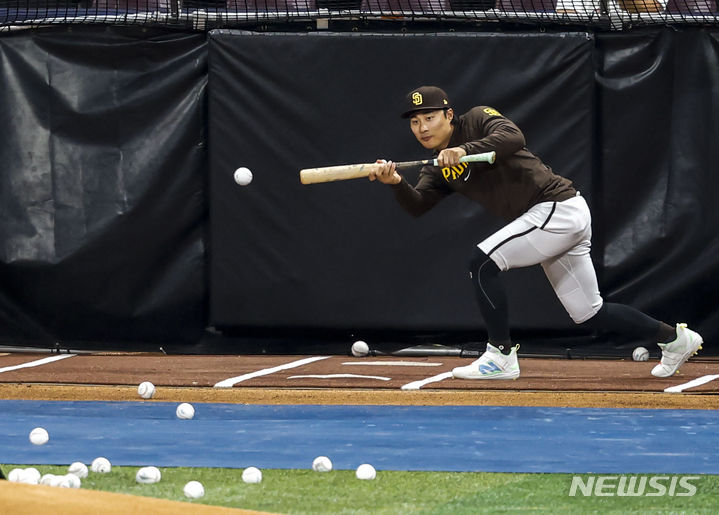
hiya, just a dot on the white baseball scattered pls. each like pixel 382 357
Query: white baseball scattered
pixel 78 468
pixel 39 436
pixel 360 349
pixel 185 411
pixel 71 480
pixel 146 390
pixel 46 479
pixel 29 476
pixel 14 475
pixel 243 176
pixel 322 464
pixel 252 475
pixel 101 465
pixel 148 475
pixel 59 482
pixel 640 354
pixel 194 490
pixel 366 471
pixel 66 481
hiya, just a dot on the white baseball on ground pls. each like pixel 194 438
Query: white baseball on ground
pixel 360 349
pixel 59 481
pixel 78 468
pixel 14 475
pixel 194 490
pixel 72 480
pixel 243 176
pixel 322 464
pixel 148 475
pixel 46 479
pixel 640 354
pixel 252 475
pixel 366 471
pixel 30 476
pixel 146 390
pixel 39 436
pixel 185 411
pixel 101 465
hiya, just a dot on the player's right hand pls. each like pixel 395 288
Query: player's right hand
pixel 386 174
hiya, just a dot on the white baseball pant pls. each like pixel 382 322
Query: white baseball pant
pixel 558 236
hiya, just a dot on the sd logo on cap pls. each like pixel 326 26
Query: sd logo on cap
pixel 425 98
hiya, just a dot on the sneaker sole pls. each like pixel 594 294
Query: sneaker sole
pixel 691 352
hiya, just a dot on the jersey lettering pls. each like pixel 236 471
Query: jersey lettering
pixel 491 112
pixel 451 173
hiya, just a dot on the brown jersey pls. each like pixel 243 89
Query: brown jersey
pixel 515 182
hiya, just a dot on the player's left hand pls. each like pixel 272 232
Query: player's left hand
pixel 450 156
pixel 387 173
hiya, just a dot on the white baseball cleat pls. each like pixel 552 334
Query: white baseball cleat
pixel 675 353
pixel 491 365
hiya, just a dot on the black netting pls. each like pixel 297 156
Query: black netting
pixel 206 14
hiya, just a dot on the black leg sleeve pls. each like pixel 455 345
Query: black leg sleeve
pixel 490 294
pixel 623 319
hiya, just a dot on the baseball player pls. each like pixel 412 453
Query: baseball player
pixel 548 224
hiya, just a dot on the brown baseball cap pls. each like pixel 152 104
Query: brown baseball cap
pixel 425 98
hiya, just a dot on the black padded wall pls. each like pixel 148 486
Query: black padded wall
pixel 102 187
pixel 105 181
pixel 343 255
pixel 656 187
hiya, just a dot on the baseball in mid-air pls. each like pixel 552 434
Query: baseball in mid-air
pixel 640 354
pixel 39 436
pixel 360 349
pixel 243 176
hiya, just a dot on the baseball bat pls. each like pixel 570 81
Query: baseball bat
pixel 356 171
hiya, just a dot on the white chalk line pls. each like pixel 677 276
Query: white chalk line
pixel 393 363
pixel 691 384
pixel 36 363
pixel 338 376
pixel 416 385
pixel 228 383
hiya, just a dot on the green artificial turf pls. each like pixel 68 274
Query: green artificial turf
pixel 394 492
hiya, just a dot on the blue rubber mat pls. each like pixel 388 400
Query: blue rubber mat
pixel 442 438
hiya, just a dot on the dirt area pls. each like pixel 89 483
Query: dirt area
pixel 340 372
pixel 365 397
pixel 20 499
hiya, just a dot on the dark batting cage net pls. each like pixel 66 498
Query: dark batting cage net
pixel 319 14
